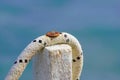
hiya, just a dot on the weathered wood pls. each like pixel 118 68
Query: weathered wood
pixel 54 63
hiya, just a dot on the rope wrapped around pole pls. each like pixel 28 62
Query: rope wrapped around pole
pixel 38 44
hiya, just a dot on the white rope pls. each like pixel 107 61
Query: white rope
pixel 38 44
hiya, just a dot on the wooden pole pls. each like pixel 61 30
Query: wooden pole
pixel 54 63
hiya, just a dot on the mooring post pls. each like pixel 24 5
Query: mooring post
pixel 53 63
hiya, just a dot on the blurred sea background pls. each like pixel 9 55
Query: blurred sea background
pixel 95 23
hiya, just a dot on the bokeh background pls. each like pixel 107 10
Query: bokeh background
pixel 96 24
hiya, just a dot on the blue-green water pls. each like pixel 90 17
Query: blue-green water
pixel 95 24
